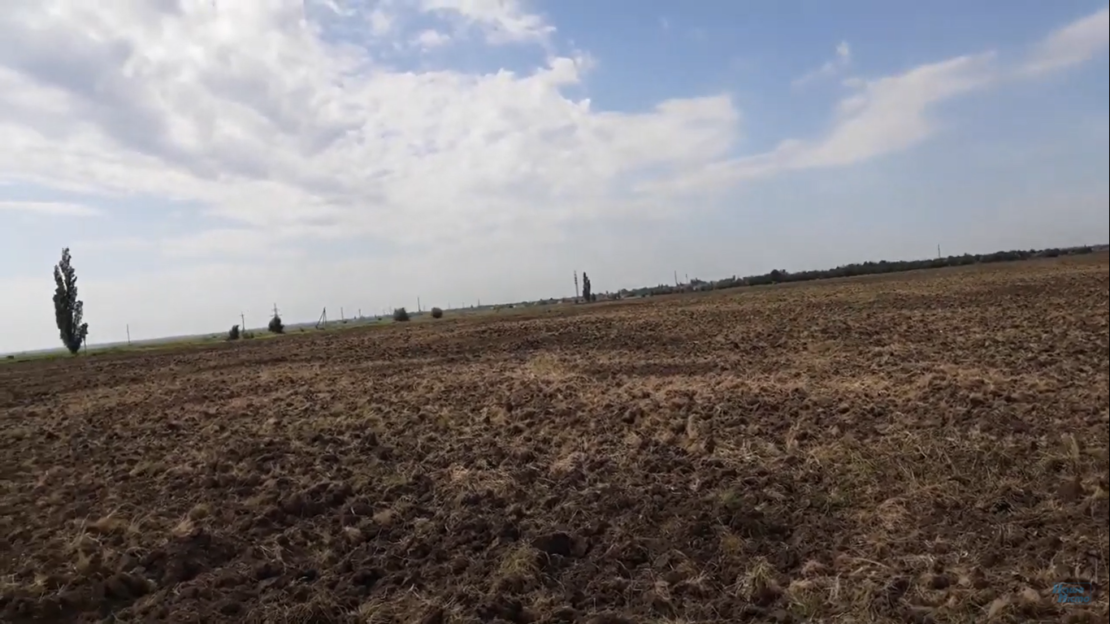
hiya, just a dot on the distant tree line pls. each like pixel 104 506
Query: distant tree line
pixel 849 270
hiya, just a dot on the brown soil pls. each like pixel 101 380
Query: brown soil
pixel 927 447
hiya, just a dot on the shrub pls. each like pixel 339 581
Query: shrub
pixel 437 313
pixel 276 326
pixel 234 333
pixel 400 315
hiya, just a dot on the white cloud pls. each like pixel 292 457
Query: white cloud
pixel 429 39
pixel 54 209
pixel 502 21
pixel 248 112
pixel 381 23
pixel 891 114
pixel 1070 45
pixel 883 116
pixel 839 63
pixel 335 7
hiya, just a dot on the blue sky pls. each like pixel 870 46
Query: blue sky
pixel 205 158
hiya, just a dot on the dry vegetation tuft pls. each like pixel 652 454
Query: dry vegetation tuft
pixel 923 447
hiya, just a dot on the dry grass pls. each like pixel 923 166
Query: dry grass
pixel 927 447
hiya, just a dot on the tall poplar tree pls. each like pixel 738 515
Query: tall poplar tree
pixel 68 309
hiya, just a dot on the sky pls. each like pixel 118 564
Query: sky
pixel 207 158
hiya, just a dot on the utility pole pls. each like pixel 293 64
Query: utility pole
pixel 418 308
pixel 342 318
pixel 938 252
pixel 242 322
pixel 676 279
pixel 129 334
pixel 576 285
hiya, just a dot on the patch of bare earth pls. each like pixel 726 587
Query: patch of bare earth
pixel 928 447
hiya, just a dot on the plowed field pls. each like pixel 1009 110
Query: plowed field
pixel 924 447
